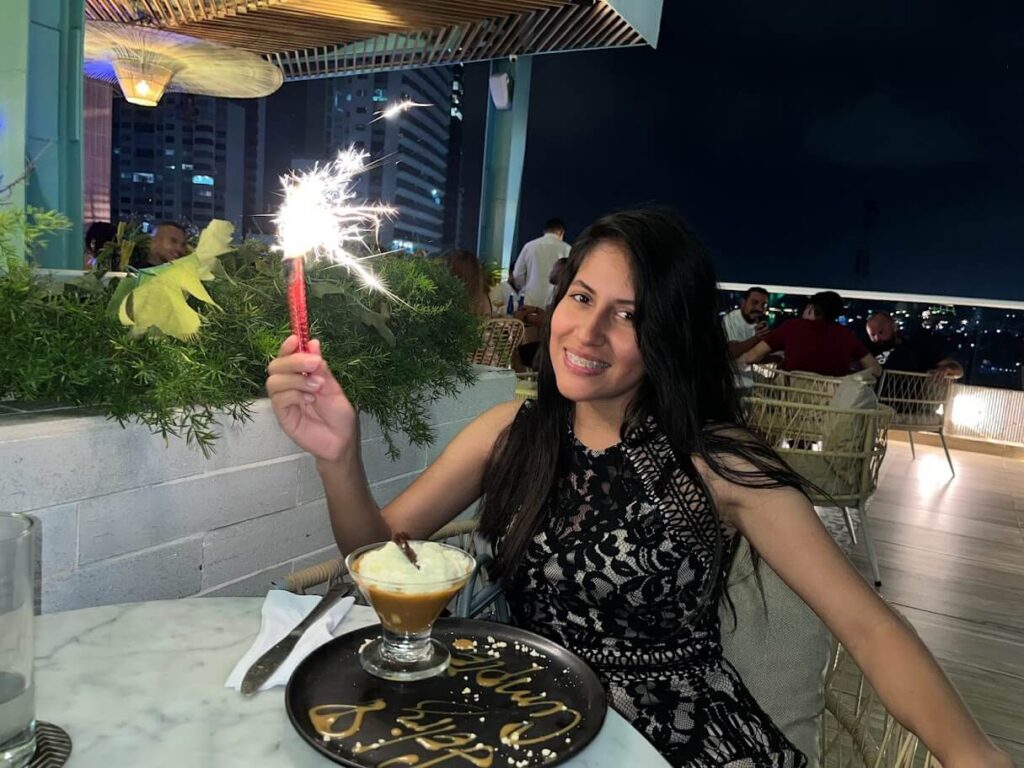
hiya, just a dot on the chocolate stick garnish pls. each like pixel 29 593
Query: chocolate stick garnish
pixel 402 540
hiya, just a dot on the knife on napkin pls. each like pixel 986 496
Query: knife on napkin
pixel 266 664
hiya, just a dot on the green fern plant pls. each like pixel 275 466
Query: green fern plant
pixel 63 344
pixel 29 226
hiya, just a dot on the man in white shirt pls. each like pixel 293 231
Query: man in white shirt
pixel 745 326
pixel 530 273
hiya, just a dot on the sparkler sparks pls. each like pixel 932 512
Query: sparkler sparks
pixel 320 219
pixel 398 108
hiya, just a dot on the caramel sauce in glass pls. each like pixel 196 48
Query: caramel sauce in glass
pixel 406 612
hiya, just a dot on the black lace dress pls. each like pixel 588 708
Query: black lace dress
pixel 614 574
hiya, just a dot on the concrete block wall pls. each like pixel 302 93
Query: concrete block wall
pixel 125 517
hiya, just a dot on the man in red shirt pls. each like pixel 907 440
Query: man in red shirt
pixel 815 343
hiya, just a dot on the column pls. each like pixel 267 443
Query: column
pixel 504 152
pixel 53 122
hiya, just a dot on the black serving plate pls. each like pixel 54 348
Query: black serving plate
pixel 515 695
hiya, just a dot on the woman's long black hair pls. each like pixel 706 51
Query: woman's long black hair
pixel 688 385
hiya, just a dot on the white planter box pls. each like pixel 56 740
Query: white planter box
pixel 125 517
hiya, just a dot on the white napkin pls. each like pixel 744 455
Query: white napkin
pixel 282 610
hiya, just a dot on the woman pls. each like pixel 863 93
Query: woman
pixel 641 482
pixel 98 235
pixel 466 266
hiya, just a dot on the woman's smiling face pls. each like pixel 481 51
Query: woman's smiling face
pixel 593 344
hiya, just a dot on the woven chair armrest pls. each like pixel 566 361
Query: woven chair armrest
pixel 456 528
pixel 300 581
pixel 783 405
pixel 893 373
pixel 848 721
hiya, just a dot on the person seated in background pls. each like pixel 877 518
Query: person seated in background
pixel 169 242
pixel 744 327
pixel 468 269
pixel 815 342
pixel 99 234
pixel 923 352
pixel 746 324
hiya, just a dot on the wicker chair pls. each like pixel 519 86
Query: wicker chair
pixel 801 386
pixel 500 338
pixel 857 731
pixel 838 450
pixel 920 402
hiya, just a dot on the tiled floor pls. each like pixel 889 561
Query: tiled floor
pixel 951 552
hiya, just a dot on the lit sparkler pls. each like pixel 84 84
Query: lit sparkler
pixel 319 219
pixel 398 108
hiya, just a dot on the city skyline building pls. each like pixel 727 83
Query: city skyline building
pixel 415 158
pixel 410 154
pixel 190 159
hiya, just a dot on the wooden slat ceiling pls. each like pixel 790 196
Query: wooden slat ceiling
pixel 322 38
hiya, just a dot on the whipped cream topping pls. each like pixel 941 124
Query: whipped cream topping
pixel 437 565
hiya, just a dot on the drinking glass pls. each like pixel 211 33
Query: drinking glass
pixel 407 612
pixel 17 700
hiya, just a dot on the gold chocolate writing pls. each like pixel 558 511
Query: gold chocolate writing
pixel 325 717
pixel 489 675
pixel 431 723
pixel 438 735
pixel 481 756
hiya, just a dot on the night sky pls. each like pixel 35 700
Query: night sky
pixel 873 145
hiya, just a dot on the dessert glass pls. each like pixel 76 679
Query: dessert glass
pixel 407 611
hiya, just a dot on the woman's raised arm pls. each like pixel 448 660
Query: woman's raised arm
pixel 313 410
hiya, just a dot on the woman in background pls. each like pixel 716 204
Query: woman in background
pixel 466 266
pixel 98 235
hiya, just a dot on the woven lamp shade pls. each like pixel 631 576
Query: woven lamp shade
pixel 141 82
pixel 146 62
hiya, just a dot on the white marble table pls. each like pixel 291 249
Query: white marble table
pixel 142 684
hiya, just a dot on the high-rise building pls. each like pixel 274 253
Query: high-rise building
pixel 189 159
pixel 414 155
pixel 453 195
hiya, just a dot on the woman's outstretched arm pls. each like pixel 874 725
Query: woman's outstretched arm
pixel 782 526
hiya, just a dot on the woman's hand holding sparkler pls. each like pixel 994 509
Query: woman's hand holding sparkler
pixel 309 403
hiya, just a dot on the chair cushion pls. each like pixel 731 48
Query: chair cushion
pixel 836 477
pixel 781 652
pixel 845 432
pixel 854 393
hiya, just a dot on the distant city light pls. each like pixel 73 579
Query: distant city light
pixel 397 109
pixel 202 179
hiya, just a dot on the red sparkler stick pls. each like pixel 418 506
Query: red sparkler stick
pixel 297 311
